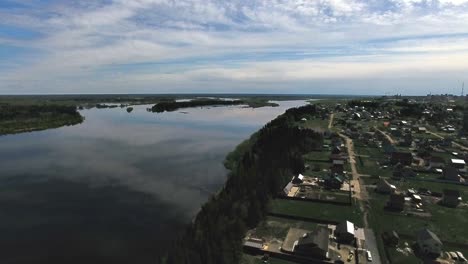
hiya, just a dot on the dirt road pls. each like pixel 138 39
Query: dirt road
pixel 389 138
pixel 330 124
pixel 359 191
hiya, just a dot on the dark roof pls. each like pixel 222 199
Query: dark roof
pixel 450 172
pixel 425 234
pixel 397 197
pixel 437 159
pixel 454 193
pixel 345 227
pixel 319 238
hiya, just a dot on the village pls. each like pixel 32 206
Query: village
pixel 389 185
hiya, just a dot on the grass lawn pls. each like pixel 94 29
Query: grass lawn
pixel 315 123
pixel 434 187
pixel 369 180
pixel 399 257
pixel 277 227
pixel 318 174
pixel 428 175
pixel 445 155
pixel 448 223
pixel 370 167
pixel 321 211
pixel 317 155
pixel 248 259
pixel 372 152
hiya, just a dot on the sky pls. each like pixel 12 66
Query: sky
pixel 375 47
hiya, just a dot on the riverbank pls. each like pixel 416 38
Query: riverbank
pixel 259 169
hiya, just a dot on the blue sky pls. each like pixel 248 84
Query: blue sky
pixel 244 46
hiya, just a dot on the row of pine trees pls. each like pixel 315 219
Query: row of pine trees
pixel 260 171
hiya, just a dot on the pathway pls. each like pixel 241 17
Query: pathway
pixel 390 139
pixel 330 124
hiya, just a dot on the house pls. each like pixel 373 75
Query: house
pixel 253 245
pixel 384 187
pixel 344 232
pixel 337 169
pixel 338 158
pixel 334 181
pixel 336 150
pixel 406 172
pixel 314 244
pixel 422 130
pixel 451 198
pixel 436 162
pixel 298 179
pixel 428 242
pixel 416 199
pixel 391 238
pixel 451 174
pixel 457 163
pixel 338 162
pixel 396 201
pixel 405 158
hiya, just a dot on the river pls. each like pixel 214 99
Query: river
pixel 119 187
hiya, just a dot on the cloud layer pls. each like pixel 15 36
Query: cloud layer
pixel 295 46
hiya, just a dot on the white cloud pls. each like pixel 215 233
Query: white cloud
pixel 259 41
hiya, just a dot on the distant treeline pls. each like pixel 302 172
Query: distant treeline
pixel 22 118
pixel 260 167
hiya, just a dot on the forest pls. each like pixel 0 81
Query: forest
pixel 23 118
pixel 260 167
pixel 172 105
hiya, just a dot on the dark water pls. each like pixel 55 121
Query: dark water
pixel 117 188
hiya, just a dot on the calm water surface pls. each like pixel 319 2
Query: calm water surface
pixel 117 188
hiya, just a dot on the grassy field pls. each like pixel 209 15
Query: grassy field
pixel 368 159
pixel 318 155
pixel 398 257
pixel 434 187
pixel 446 222
pixel 370 167
pixel 247 259
pixel 277 227
pixel 315 123
pixel 319 211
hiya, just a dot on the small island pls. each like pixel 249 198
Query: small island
pixel 33 117
pixel 171 105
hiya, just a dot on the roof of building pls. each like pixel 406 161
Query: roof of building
pixel 345 227
pixel 454 193
pixel 384 184
pixel 253 244
pixel 457 161
pixel 319 238
pixel 450 172
pixel 288 187
pixel 426 234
